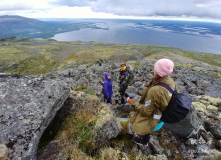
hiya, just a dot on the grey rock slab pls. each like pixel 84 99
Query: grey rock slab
pixel 109 130
pixel 154 145
pixel 132 90
pixel 27 106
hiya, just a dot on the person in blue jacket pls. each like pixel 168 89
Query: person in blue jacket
pixel 108 88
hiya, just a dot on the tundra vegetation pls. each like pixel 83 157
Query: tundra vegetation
pixel 77 133
pixel 34 57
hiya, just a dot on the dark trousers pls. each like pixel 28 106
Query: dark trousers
pixel 145 138
pixel 108 100
pixel 122 93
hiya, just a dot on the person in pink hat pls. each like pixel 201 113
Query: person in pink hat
pixel 154 100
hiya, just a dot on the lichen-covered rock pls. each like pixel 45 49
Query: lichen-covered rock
pixel 109 130
pixel 212 107
pixel 214 126
pixel 27 106
pixel 199 106
pixel 170 144
pixel 154 145
pixel 3 152
pixel 213 101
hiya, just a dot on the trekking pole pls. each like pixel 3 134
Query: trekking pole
pixel 131 96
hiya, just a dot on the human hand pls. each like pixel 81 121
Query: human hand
pixel 130 100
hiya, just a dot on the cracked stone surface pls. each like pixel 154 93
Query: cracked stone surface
pixel 27 106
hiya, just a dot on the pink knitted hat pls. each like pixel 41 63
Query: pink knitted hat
pixel 164 67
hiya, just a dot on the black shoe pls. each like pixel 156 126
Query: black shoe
pixel 138 140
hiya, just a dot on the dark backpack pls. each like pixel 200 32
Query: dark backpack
pixel 178 107
pixel 130 77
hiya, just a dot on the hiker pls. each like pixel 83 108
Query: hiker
pixel 123 81
pixel 107 88
pixel 148 114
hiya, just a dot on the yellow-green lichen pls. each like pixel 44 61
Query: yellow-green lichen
pixel 199 106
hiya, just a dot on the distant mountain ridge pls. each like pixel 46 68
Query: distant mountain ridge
pixel 22 27
pixel 18 24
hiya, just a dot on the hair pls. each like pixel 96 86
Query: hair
pixel 154 80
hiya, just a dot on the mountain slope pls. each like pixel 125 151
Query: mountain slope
pixel 16 24
pixel 22 27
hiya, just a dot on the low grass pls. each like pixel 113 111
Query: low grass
pixel 137 64
pixel 77 134
pixel 86 90
pixel 43 56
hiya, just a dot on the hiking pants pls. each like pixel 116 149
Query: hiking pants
pixel 122 93
pixel 108 100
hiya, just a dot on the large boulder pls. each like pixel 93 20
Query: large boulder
pixel 186 126
pixel 27 106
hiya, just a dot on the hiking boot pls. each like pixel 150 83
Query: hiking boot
pixel 141 140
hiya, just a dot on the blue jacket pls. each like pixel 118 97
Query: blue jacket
pixel 107 86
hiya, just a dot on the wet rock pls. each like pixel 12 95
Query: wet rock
pixel 28 105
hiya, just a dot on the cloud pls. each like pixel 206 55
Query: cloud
pixel 15 5
pixel 131 8
pixel 189 8
pixel 73 3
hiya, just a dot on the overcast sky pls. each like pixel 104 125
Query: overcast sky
pixel 177 9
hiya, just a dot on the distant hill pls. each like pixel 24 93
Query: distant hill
pixel 23 27
pixel 18 24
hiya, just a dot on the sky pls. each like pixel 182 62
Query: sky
pixel 204 10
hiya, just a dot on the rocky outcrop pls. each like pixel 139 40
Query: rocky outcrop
pixel 28 105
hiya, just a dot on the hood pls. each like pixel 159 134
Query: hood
pixel 105 75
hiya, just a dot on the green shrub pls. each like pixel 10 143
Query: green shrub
pixel 81 88
pixel 89 91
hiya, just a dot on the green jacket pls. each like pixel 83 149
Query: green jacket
pixel 147 114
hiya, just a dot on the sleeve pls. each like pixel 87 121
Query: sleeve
pixel 119 76
pixel 105 89
pixel 152 101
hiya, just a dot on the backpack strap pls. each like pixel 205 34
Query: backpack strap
pixel 165 86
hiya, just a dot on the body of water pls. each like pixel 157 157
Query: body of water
pixel 130 33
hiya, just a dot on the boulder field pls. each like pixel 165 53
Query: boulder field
pixel 28 105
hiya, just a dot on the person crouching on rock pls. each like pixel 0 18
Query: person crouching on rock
pixel 108 92
pixel 154 99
